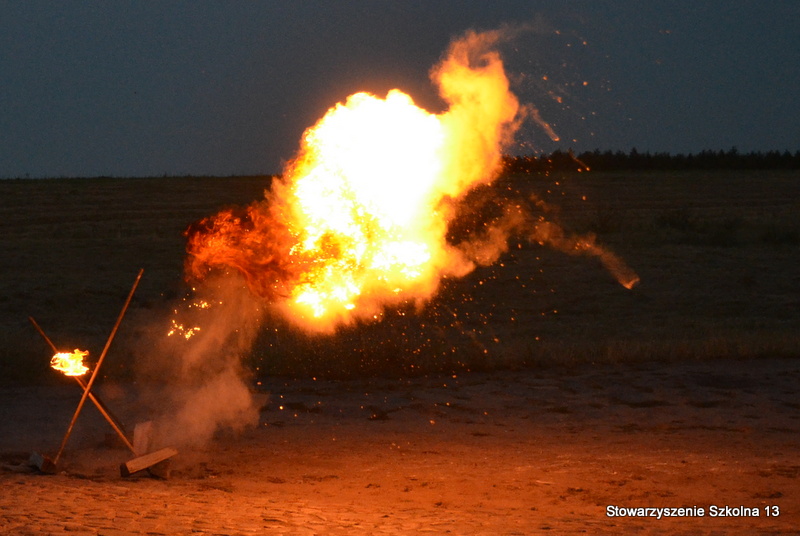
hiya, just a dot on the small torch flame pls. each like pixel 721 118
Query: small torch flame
pixel 71 364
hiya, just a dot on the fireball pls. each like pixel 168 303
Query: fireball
pixel 358 220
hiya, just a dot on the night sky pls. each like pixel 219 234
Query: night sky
pixel 223 88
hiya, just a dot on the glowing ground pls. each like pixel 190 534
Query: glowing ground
pixel 482 453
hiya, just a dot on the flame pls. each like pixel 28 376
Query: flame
pixel 364 203
pixel 71 364
pixel 359 219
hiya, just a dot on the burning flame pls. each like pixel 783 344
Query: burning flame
pixel 364 203
pixel 360 217
pixel 71 364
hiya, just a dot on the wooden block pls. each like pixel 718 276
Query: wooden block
pixel 142 437
pixel 161 470
pixel 42 463
pixel 148 460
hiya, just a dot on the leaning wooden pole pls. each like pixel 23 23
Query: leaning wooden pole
pixel 97 368
pixel 43 334
pixel 113 421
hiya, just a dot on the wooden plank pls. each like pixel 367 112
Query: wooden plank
pixel 143 462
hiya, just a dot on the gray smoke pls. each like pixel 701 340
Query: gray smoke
pixel 193 377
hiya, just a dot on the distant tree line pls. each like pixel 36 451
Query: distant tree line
pixel 634 160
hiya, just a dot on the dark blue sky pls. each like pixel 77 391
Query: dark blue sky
pixel 130 88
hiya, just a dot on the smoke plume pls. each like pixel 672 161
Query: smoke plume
pixel 192 376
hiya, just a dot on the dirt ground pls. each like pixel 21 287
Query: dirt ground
pixel 510 452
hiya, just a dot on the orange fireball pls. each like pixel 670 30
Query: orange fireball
pixel 359 219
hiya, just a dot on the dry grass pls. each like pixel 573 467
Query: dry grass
pixel 717 254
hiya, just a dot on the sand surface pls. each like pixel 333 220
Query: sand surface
pixel 512 452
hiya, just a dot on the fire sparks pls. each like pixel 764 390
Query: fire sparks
pixel 178 328
pixel 70 363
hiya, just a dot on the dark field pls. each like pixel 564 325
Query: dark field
pixel 717 254
pixel 527 398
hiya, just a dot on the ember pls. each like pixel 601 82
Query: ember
pixel 177 328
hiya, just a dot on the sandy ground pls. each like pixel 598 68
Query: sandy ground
pixel 514 452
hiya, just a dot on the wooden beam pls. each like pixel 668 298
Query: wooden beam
pixel 143 462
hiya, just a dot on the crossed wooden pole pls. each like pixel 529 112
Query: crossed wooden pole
pixel 48 465
pixel 115 424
